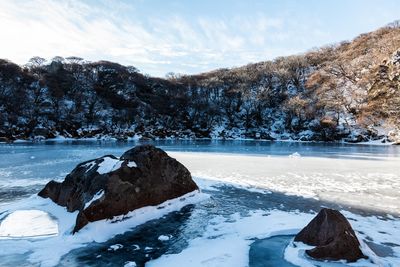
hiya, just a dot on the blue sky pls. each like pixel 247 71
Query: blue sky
pixel 186 36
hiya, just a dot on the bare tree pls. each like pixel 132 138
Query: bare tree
pixel 36 62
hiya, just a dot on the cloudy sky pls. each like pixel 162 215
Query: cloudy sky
pixel 186 36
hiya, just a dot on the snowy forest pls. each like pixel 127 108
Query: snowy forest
pixel 348 91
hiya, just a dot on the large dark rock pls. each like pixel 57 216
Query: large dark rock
pixel 108 186
pixel 333 237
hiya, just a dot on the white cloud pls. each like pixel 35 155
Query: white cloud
pixel 117 31
pixel 50 28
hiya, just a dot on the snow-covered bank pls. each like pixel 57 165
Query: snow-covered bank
pixel 48 251
pixel 363 182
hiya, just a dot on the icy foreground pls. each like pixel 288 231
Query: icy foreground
pixel 220 230
pixel 224 242
pixel 48 251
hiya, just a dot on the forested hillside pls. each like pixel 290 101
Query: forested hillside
pixel 348 91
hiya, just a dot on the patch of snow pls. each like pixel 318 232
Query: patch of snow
pixel 97 196
pixel 131 164
pixel 378 142
pixel 90 165
pixel 28 223
pixel 59 138
pixel 21 141
pixel 39 138
pixel 117 165
pixel 164 237
pixel 295 254
pixel 307 133
pixel 136 137
pixel 115 247
pixel 108 165
pixel 217 130
pixel 130 264
pixel 295 155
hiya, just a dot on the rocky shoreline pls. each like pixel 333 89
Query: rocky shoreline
pixel 391 138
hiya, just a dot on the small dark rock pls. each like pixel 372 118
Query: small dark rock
pixel 4 140
pixel 357 139
pixel 333 237
pixel 106 187
pixel 40 131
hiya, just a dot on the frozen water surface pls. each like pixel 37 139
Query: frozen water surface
pixel 259 195
pixel 368 183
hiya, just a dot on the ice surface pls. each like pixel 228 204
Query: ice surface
pixel 360 182
pixel 363 182
pixel 362 178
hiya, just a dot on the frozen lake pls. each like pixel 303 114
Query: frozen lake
pixel 255 190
